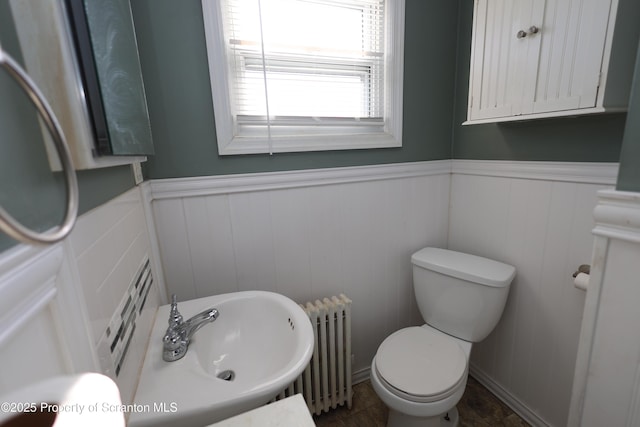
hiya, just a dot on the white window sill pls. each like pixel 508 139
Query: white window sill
pixel 253 145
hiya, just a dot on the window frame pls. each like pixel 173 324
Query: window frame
pixel 337 137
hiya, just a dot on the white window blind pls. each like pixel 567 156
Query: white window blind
pixel 298 69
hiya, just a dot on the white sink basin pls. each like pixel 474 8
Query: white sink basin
pixel 263 338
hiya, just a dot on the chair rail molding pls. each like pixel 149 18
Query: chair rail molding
pixel 582 172
pixel 170 188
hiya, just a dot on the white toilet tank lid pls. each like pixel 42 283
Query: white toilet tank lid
pixel 464 266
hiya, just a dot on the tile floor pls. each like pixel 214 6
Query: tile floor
pixel 478 408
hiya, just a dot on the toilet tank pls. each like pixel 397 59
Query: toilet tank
pixel 460 294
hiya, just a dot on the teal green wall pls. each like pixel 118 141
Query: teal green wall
pixel 28 189
pixel 629 174
pixel 595 138
pixel 437 43
pixel 173 54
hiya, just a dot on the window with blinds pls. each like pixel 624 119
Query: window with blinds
pixel 302 75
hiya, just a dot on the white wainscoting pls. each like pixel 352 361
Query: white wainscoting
pixel 538 217
pixel 43 330
pixel 108 247
pixel 307 235
pixel 57 302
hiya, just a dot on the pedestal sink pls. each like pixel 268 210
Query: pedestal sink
pixel 259 344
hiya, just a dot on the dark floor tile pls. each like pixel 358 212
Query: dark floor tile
pixel 322 421
pixel 513 420
pixel 474 422
pixel 366 409
pixel 334 417
pixel 364 396
pixel 477 408
pixel 380 411
pixel 364 419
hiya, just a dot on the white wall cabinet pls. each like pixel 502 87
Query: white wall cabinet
pixel 548 58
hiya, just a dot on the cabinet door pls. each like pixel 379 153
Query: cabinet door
pixel 572 42
pixel 504 57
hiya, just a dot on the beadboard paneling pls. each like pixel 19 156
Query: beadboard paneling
pixel 333 234
pixel 543 227
pixel 312 234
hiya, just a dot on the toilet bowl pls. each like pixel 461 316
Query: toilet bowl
pixel 427 392
pixel 420 372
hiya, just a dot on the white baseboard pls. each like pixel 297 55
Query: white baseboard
pixel 507 398
pixel 361 375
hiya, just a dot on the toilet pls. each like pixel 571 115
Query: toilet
pixel 420 372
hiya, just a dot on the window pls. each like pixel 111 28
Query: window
pixel 305 75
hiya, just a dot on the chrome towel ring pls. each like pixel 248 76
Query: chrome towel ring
pixel 7 223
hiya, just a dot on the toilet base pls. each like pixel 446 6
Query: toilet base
pixel 398 419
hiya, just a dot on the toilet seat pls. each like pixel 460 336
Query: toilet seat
pixel 421 364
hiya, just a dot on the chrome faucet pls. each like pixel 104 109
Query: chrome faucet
pixel 176 339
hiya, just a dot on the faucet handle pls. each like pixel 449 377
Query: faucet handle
pixel 172 339
pixel 174 345
pixel 175 318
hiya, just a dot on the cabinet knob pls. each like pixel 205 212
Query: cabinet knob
pixel 532 30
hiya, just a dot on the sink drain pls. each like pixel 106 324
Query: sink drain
pixel 227 375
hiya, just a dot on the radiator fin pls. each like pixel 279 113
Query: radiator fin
pixel 326 383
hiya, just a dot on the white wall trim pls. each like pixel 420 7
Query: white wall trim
pixel 27 285
pixel 361 375
pixel 617 215
pixel 154 246
pixel 226 184
pixel 633 417
pixel 507 398
pixel 587 328
pixel 13 257
pixel 33 279
pixel 584 172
